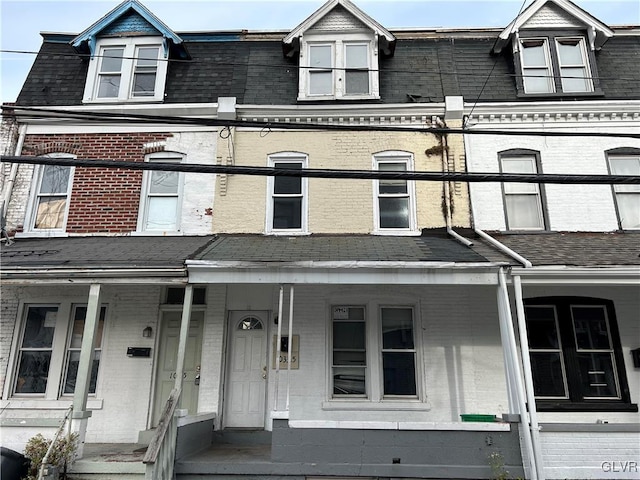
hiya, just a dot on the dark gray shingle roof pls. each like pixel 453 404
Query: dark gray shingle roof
pixel 575 249
pixel 257 248
pixel 101 252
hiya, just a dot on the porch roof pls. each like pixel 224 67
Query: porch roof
pixel 573 249
pixel 144 258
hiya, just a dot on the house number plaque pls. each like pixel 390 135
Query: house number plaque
pixel 281 352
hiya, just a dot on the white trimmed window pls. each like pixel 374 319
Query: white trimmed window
pixel 523 201
pixel 562 68
pixel 344 68
pixel 394 203
pixel 627 196
pixel 287 196
pixel 49 350
pixel 127 70
pixel 49 203
pixel 374 367
pixel 161 201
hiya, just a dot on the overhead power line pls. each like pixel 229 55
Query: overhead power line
pixel 331 173
pixel 107 117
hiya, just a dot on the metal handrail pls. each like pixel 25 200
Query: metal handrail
pixel 161 453
pixel 45 459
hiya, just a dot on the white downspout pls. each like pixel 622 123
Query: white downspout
pixel 506 323
pixel 276 355
pixel 507 354
pixel 289 344
pixel 8 190
pixel 528 376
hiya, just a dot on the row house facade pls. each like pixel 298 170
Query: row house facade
pixel 207 310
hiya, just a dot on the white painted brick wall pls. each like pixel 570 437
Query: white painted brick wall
pixel 591 455
pixel 569 207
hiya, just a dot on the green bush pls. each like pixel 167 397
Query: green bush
pixel 63 452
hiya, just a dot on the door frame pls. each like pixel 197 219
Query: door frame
pixel 265 316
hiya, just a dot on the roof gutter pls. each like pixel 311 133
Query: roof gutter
pixel 18 276
pixel 503 248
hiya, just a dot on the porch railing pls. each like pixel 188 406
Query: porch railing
pixel 44 465
pixel 161 453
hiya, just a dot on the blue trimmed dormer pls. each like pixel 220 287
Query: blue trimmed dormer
pixel 129 53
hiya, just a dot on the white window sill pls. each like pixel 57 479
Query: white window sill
pixel 395 233
pixel 315 98
pixel 384 405
pixel 107 101
pixel 42 234
pixel 17 403
pixel 288 233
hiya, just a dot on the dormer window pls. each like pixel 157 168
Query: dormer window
pixel 339 69
pixel 562 68
pixel 126 70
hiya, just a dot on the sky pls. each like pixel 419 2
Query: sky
pixel 21 21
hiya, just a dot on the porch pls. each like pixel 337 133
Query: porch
pixel 454 450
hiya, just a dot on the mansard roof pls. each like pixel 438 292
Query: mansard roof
pixel 552 14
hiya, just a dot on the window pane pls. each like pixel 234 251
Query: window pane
pixel 395 185
pixel 625 166
pixel 597 376
pixel 537 80
pixel 55 179
pixel 162 213
pixel 399 373
pixel 39 328
pixel 394 212
pixel 164 182
pixel 144 84
pixel 320 56
pixel 570 52
pixel 77 331
pixel 349 381
pixel 541 328
pixel 548 376
pixel 320 83
pixel 287 185
pixel 50 212
pixel 575 80
pixel 349 358
pixel 629 209
pixel 287 213
pixel 592 332
pixel 357 56
pixel 33 372
pixel 73 361
pixel 397 328
pixel 109 86
pixel 147 56
pixel 112 60
pixel 523 211
pixel 357 82
pixel 348 335
pixel 534 54
pixel 519 165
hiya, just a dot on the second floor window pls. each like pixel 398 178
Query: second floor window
pixel 627 197
pixel 523 201
pixel 395 198
pixel 50 201
pixel 161 197
pixel 287 208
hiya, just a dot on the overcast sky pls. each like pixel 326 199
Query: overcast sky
pixel 21 21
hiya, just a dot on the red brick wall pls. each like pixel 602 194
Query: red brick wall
pixel 103 200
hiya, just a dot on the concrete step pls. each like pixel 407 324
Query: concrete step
pixel 241 437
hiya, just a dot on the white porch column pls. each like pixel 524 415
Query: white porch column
pixel 506 352
pixel 528 377
pixel 80 414
pixel 184 334
pixel 507 324
pixel 289 344
pixel 278 338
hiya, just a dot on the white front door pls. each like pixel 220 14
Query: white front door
pixel 246 370
pixel 167 356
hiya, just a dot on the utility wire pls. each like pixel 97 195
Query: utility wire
pixel 108 117
pixel 374 70
pixel 331 173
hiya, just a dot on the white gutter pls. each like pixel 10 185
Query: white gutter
pixel 530 438
pixel 528 376
pixel 503 248
pixel 6 198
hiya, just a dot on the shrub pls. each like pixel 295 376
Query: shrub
pixel 63 452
